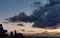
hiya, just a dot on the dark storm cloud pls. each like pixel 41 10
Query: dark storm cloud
pixel 46 16
pixel 51 17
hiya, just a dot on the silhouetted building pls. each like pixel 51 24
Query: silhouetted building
pixel 11 34
pixel 15 33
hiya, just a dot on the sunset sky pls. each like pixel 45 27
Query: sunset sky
pixel 9 8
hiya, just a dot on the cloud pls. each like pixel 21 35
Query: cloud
pixel 46 16
pixel 50 18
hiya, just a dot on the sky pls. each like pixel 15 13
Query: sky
pixel 9 8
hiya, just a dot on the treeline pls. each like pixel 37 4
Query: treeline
pixel 3 34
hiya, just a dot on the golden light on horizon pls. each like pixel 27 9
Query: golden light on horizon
pixel 27 29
